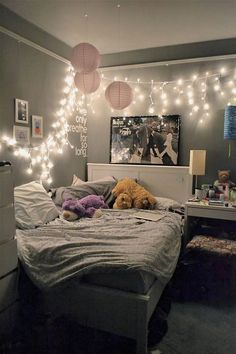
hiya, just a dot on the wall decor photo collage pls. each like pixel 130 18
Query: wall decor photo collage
pixel 21 133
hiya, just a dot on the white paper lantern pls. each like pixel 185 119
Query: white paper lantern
pixel 87 82
pixel 85 58
pixel 119 95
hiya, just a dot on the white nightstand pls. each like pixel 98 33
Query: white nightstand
pixel 203 210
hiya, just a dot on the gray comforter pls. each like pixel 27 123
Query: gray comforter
pixel 62 250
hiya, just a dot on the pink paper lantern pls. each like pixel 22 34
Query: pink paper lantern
pixel 85 58
pixel 119 95
pixel 87 82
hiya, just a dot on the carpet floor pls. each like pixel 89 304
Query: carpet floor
pixel 197 328
pixel 193 328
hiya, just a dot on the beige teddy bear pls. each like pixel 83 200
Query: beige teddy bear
pixel 141 198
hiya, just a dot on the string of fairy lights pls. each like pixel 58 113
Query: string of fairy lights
pixel 159 96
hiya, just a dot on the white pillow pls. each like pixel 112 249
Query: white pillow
pixel 78 182
pixel 167 203
pixel 33 207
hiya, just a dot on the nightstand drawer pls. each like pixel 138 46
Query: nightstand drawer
pixel 6 183
pixel 8 257
pixel 7 222
pixel 8 289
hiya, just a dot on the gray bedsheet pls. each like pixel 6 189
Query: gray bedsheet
pixel 64 250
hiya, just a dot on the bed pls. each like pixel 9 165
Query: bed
pixel 113 289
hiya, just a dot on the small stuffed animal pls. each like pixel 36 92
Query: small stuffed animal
pixel 141 198
pixel 224 179
pixel 89 207
pixel 123 201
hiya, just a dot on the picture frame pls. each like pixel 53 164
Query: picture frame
pixel 21 111
pixel 145 140
pixel 21 134
pixel 37 126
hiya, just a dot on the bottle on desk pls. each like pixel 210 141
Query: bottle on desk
pixel 226 193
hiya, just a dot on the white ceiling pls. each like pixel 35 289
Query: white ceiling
pixel 137 24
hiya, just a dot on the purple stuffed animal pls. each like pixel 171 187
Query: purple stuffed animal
pixel 84 207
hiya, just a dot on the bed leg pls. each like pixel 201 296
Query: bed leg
pixel 141 344
pixel 142 331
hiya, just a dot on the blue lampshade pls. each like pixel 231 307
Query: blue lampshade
pixel 230 123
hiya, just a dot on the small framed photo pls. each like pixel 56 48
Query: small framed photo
pixel 37 127
pixel 21 134
pixel 21 111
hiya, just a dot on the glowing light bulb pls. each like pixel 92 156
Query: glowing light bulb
pixel 49 180
pixel 151 110
pixel 190 94
pixel 63 102
pixel 191 101
pixel 69 80
pixel 141 97
pixel 178 101
pixel 163 95
pixel 29 171
pixel 165 103
pixel 222 70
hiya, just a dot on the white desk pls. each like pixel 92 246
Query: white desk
pixel 203 210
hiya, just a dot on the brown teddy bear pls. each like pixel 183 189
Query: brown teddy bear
pixel 141 198
pixel 123 201
pixel 224 179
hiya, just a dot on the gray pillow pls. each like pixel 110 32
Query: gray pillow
pixel 33 207
pixel 59 195
pixel 167 203
pixel 78 182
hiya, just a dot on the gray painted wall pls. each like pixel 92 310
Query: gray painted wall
pixel 31 75
pixel 207 135
pixel 28 74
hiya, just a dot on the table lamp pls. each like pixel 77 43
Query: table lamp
pixel 197 164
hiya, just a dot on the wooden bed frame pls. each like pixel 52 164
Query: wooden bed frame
pixel 119 312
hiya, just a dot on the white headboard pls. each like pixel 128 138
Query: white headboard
pixel 163 181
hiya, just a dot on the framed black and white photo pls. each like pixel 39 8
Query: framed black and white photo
pixel 37 127
pixel 145 140
pixel 21 111
pixel 21 134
